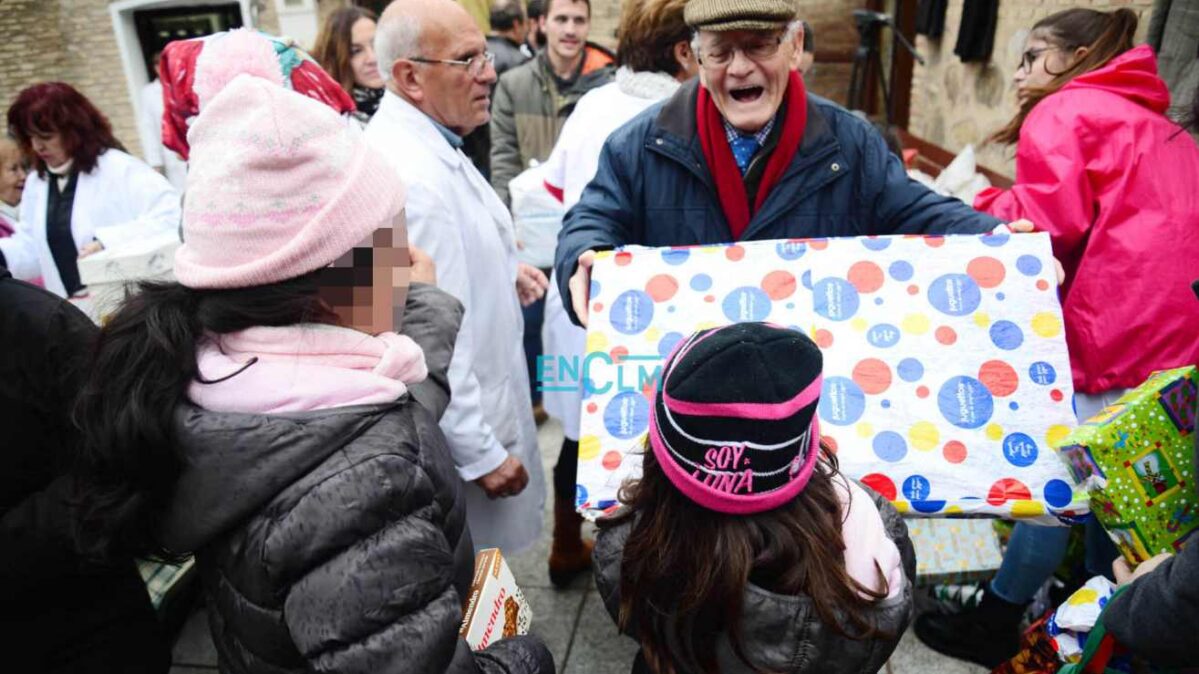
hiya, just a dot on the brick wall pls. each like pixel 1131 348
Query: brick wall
pixel 955 103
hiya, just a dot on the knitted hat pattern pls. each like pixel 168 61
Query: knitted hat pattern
pixel 734 422
pixel 279 185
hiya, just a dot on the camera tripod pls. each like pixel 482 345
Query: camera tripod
pixel 868 54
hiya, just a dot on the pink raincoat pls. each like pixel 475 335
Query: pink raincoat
pixel 1116 184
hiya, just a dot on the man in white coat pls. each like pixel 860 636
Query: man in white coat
pixel 439 79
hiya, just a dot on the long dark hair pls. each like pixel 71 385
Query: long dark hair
pixel 335 42
pixel 685 568
pixel 1106 35
pixel 57 107
pixel 144 360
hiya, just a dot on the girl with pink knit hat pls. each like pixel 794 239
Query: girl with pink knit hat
pixel 742 548
pixel 258 412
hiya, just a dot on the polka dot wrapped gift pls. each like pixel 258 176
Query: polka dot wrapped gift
pixel 946 381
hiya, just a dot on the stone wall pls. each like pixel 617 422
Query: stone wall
pixel 955 104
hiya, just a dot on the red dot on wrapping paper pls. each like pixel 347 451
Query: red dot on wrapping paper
pixel 881 484
pixel 1056 395
pixel 999 378
pixel 987 272
pixel 709 298
pixel 1042 284
pixel 946 335
pixel 954 451
pixel 734 253
pixel 1008 489
pixel 612 460
pixel 779 285
pixel 824 339
pixel 597 307
pixel 934 241
pixel 872 375
pixel 818 244
pixel 591 408
pixel 623 258
pixel 830 443
pixel 912 290
pixel 921 391
pixel 866 276
pixel 661 287
pixel 619 354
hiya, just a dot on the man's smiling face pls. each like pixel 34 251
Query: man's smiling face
pixel 746 72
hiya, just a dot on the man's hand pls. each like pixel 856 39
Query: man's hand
pixel 90 249
pixel 1125 574
pixel 424 270
pixel 509 479
pixel 580 286
pixel 1023 226
pixel 531 284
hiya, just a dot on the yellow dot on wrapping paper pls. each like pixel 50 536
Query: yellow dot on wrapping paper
pixel 706 325
pixel 924 435
pixel 916 324
pixel 653 335
pixel 859 324
pixel 1047 324
pixel 901 507
pixel 1084 596
pixel 1027 508
pixel 953 510
pixel 589 447
pixel 597 341
pixel 994 432
pixel 981 319
pixel 865 430
pixel 1055 435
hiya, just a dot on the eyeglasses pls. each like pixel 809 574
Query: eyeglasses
pixel 1030 57
pixel 474 65
pixel 722 55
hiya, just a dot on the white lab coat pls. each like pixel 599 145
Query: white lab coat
pixel 121 201
pixel 455 216
pixel 156 155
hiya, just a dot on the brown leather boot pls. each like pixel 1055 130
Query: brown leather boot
pixel 570 555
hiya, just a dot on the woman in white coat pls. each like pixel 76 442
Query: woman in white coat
pixel 86 193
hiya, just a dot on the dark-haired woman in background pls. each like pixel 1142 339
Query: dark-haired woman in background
pixel 86 192
pixel 345 48
pixel 1113 180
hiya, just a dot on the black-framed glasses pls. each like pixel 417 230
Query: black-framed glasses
pixel 474 65
pixel 722 55
pixel 1030 57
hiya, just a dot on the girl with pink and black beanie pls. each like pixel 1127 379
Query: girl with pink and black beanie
pixel 742 548
pixel 257 412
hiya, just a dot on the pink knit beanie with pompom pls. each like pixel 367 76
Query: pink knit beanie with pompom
pixel 278 184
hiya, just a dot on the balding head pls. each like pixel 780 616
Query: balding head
pixel 407 27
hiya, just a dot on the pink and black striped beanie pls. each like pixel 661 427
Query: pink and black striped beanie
pixel 734 423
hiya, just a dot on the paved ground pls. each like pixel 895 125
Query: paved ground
pixel 573 622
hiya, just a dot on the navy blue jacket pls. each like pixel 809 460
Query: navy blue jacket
pixel 653 188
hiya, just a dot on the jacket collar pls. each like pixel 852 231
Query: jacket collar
pixel 402 115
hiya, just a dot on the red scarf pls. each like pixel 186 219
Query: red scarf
pixel 730 185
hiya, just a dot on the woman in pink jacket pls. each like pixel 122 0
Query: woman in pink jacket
pixel 1116 183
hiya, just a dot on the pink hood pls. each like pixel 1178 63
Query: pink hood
pixel 1131 75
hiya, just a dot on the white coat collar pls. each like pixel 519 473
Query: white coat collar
pixel 406 116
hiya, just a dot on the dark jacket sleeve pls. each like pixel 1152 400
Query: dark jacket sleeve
pixel 432 318
pixel 605 561
pixel 602 219
pixel 1157 614
pixel 903 206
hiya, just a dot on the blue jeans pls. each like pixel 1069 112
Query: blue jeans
pixel 1034 553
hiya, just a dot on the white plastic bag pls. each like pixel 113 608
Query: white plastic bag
pixel 537 215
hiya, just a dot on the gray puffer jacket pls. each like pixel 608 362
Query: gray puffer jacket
pixel 784 633
pixel 332 541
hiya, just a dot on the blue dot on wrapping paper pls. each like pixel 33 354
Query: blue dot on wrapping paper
pixel 965 402
pixel 1058 494
pixel 890 446
pixel 595 289
pixel 886 404
pixel 580 495
pixel 954 294
pixel 910 369
pixel 675 256
pixel 1042 373
pixel 883 335
pixel 701 282
pixel 878 301
pixel 928 507
pixel 670 309
pixel 668 342
pixel 627 415
pixel 901 270
pixel 842 402
pixel 1013 406
pixel 1020 450
pixel 916 488
pixel 631 312
pixel 746 304
pixel 791 250
pixel 876 244
pixel 791 305
pixel 1006 335
pixel 996 240
pixel 836 299
pixel 1029 265
pixel 806 279
pixel 1000 296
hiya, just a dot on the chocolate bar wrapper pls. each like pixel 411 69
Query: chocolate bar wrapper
pixel 495 606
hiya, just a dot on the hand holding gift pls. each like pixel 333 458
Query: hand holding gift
pixel 1125 573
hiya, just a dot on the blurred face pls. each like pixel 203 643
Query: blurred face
pixel 746 72
pixel 49 147
pixel 565 24
pixel 12 173
pixel 1039 64
pixel 362 55
pixel 457 96
pixel 366 287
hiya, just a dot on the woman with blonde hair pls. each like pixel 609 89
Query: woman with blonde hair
pixel 345 48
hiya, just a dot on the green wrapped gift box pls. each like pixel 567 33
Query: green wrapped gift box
pixel 1135 459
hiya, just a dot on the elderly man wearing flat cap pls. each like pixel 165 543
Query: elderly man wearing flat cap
pixel 746 153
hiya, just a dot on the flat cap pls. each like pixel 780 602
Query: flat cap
pixel 725 15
